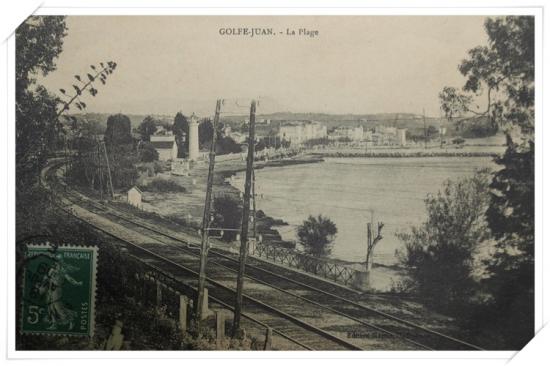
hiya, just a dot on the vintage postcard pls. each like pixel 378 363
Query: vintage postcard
pixel 255 183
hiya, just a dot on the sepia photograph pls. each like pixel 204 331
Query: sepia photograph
pixel 274 183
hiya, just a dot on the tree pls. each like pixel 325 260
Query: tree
pixel 147 152
pixel 228 215
pixel 439 254
pixel 317 234
pixel 118 131
pixel 39 41
pixel 504 70
pixel 181 129
pixel 509 309
pixel 226 145
pixel 147 128
pixel 120 147
pixel 206 129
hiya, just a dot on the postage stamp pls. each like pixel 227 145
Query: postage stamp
pixel 59 290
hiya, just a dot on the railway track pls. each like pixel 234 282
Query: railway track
pixel 302 299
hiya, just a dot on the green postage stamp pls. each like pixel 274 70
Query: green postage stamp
pixel 59 290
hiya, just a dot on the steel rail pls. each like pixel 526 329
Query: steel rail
pixel 312 288
pixel 257 302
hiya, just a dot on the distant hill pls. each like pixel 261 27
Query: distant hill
pixel 400 120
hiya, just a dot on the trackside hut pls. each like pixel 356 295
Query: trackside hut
pixel 134 197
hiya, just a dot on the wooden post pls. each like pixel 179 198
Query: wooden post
pixel 253 203
pixel 244 228
pixel 158 293
pixel 204 310
pixel 206 220
pixel 184 303
pixel 369 246
pixel 220 329
pixel 268 339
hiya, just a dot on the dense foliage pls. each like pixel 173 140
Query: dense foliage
pixel 497 310
pixel 316 234
pixel 504 70
pixel 227 214
pixel 439 254
pixel 39 41
pixel 181 131
pixel 147 152
pixel 147 128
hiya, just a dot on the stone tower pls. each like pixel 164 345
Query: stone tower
pixel 193 138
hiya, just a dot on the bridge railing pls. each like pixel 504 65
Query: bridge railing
pixel 307 263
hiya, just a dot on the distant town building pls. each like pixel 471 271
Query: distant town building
pixel 352 133
pixel 166 146
pixel 134 197
pixel 297 132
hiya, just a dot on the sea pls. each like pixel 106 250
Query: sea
pixel 355 191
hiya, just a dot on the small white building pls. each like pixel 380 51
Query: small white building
pixel 134 197
pixel 166 146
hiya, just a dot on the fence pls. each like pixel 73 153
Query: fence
pixel 156 288
pixel 317 266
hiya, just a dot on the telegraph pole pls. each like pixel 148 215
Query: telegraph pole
pixel 246 217
pixel 253 203
pixel 206 221
pixel 108 169
pixel 98 154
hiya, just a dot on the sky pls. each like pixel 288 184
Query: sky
pixel 356 64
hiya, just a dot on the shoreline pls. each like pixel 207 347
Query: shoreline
pixel 265 223
pixel 396 155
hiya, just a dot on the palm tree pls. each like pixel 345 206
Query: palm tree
pixel 316 234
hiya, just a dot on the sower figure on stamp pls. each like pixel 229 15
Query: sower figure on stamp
pixel 52 287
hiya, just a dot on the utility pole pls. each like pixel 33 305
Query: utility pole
pixel 253 203
pixel 246 217
pixel 98 154
pixel 108 169
pixel 206 221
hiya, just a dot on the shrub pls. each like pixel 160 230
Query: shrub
pixel 227 214
pixel 163 185
pixel 439 254
pixel 316 234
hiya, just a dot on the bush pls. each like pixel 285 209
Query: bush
pixel 439 254
pixel 316 234
pixel 147 153
pixel 227 214
pixel 163 185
